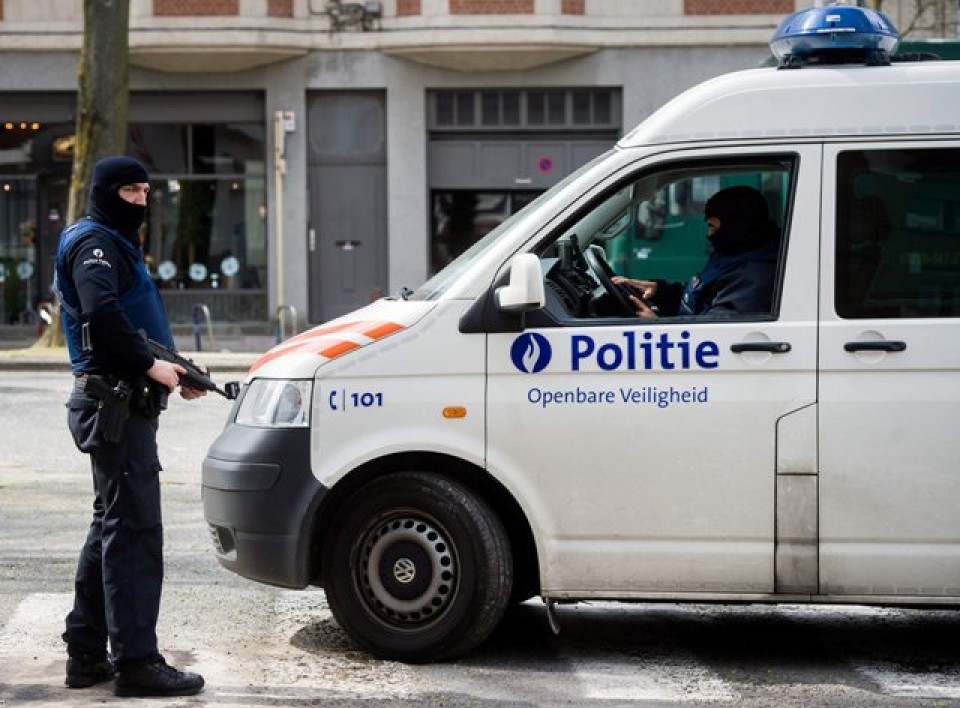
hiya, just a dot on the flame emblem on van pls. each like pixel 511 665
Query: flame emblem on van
pixel 531 353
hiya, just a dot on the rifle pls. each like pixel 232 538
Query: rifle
pixel 194 376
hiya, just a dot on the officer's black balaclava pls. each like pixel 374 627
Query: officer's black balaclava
pixel 745 223
pixel 106 204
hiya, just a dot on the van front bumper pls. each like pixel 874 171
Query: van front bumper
pixel 259 496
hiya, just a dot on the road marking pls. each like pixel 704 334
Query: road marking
pixel 36 625
pixel 682 679
pixel 287 647
pixel 894 680
pixel 297 650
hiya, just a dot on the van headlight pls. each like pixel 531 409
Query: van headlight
pixel 276 403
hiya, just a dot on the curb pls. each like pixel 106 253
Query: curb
pixel 28 360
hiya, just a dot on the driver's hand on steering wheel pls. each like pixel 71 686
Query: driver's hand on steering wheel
pixel 646 288
pixel 643 309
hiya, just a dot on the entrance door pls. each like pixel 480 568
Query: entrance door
pixel 348 202
pixel 646 449
pixel 890 372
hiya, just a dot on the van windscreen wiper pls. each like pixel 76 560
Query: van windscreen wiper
pixel 403 294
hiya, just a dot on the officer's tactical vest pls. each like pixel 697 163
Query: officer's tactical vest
pixel 140 302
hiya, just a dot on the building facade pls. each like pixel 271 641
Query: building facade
pixel 316 154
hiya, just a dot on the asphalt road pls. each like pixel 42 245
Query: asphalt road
pixel 262 646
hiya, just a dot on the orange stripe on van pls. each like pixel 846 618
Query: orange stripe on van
pixel 305 339
pixel 330 329
pixel 382 330
pixel 338 349
pixel 318 340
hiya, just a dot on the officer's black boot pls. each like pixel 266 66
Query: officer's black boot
pixel 157 679
pixel 85 671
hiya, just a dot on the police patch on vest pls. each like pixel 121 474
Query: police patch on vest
pixel 97 259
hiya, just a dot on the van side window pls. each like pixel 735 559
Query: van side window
pixel 898 233
pixel 654 228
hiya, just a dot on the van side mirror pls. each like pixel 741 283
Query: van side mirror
pixel 525 291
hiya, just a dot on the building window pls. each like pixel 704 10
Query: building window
pixel 178 8
pixel 738 7
pixel 207 224
pixel 460 218
pixel 207 233
pixel 492 151
pixel 280 8
pixel 591 108
pixel 491 7
pixel 466 109
pixel 500 108
pixel 546 109
pixel 18 240
pixel 408 7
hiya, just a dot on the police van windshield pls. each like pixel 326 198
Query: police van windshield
pixel 439 283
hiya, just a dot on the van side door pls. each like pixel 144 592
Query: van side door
pixel 644 451
pixel 889 381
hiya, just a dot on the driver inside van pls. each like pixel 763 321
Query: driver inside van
pixel 738 277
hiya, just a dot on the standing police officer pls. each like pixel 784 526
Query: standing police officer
pixel 107 299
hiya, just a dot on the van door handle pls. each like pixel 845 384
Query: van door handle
pixel 892 345
pixel 772 347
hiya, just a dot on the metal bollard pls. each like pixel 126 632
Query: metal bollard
pixel 291 311
pixel 201 311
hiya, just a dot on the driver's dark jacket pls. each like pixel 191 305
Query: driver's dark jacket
pixel 726 285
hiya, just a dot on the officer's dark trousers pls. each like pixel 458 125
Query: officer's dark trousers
pixel 120 573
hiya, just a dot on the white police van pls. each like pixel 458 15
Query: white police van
pixel 511 429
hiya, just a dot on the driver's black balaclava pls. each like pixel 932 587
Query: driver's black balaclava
pixel 745 223
pixel 106 205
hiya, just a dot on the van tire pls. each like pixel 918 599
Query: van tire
pixel 417 568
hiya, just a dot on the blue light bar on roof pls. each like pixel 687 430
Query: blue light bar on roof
pixel 835 34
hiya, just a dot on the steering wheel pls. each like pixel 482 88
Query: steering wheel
pixel 604 273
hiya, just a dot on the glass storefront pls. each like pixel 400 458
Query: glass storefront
pixel 18 238
pixel 205 233
pixel 205 239
pixel 460 218
pixel 207 223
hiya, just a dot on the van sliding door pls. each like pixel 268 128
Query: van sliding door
pixel 889 383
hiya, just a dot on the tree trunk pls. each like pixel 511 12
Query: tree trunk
pixel 102 99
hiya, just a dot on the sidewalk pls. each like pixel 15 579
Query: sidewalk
pixel 55 359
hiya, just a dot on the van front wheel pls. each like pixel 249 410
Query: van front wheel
pixel 417 568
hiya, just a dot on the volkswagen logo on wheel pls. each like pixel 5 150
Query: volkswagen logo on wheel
pixel 404 571
pixel 531 353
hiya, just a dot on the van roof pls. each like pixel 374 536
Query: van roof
pixel 813 102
